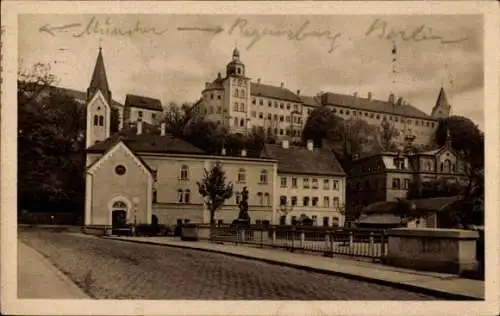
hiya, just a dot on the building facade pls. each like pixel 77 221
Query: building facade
pixel 240 104
pixel 388 176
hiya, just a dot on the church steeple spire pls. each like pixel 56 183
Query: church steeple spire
pixel 442 107
pixel 99 80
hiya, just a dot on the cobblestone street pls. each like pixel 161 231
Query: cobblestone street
pixel 109 269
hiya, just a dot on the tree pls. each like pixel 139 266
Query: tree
pixel 214 189
pixel 322 124
pixel 114 121
pixel 468 141
pixel 387 133
pixel 434 188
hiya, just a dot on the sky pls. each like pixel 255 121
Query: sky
pixel 156 56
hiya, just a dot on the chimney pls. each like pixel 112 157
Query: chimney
pixel 139 127
pixel 285 144
pixel 219 76
pixel 223 151
pixel 258 80
pixel 369 95
pixel 298 91
pixel 282 85
pixel 243 153
pixel 391 98
pixel 163 126
pixel 310 145
pixel 400 101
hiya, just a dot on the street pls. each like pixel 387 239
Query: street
pixel 110 269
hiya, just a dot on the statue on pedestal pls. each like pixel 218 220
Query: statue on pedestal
pixel 243 217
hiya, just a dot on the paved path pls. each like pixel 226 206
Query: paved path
pixel 447 285
pixel 113 269
pixel 38 278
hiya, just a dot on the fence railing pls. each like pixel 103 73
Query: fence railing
pixel 341 241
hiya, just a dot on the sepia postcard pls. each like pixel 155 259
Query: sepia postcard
pixel 249 158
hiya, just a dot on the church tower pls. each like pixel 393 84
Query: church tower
pixel 442 107
pixel 237 92
pixel 98 105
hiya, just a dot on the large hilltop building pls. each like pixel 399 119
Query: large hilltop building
pixel 239 104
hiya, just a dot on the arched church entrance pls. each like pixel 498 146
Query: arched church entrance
pixel 119 214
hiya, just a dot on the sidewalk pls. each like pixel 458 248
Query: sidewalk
pixel 443 285
pixel 37 278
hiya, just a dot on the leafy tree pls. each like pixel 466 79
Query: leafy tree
pixel 468 141
pixel 434 188
pixel 214 189
pixel 114 121
pixel 387 133
pixel 323 124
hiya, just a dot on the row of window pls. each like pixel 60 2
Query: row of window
pixel 98 120
pixel 183 196
pixel 140 114
pixel 219 97
pixel 281 105
pixel 314 182
pixel 378 117
pixel 286 131
pixel 280 118
pixel 313 201
pixel 374 184
pixel 400 163
pixel 184 175
pixel 314 218
pixel 239 93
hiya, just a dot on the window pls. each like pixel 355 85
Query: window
pixel 406 183
pixel 254 114
pixel 261 115
pixel 283 220
pixel 268 198
pixel 242 107
pixel 184 172
pixel 283 182
pixel 139 113
pixel 282 118
pixel 396 183
pixel 269 104
pixel 261 102
pixel 336 202
pixel 275 104
pixel 120 170
pixel 305 183
pixel 187 196
pixel 241 175
pixel 341 111
pixel 235 92
pixel 275 117
pixel 236 106
pixel 253 101
pixel 237 196
pixel 155 196
pixel 326 201
pixel 314 183
pixel 269 116
pixel 218 110
pixel 282 105
pixel 325 221
pixel 211 96
pixel 283 200
pixel 305 201
pixel 263 177
pixel 294 201
pixel 281 131
pixel 261 198
pixel 287 118
pixel 336 184
pixel 180 195
pixel 242 122
pixel 96 120
pixel 294 220
pixel 288 106
pixel 153 116
pixel 294 182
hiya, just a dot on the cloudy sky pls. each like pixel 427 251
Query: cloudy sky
pixel 345 54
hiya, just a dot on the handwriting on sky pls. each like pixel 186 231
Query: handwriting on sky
pixel 253 33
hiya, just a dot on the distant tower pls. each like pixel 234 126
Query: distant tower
pixel 235 67
pixel 442 107
pixel 98 105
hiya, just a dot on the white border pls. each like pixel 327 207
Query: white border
pixel 12 305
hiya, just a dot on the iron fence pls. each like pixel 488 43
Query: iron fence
pixel 341 241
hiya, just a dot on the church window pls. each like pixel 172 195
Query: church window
pixel 242 122
pixel 184 172
pixel 120 170
pixel 96 120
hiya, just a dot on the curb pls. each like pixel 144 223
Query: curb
pixel 404 286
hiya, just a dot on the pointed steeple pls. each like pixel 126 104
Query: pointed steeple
pixel 99 80
pixel 442 107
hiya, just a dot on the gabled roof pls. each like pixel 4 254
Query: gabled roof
pixel 299 160
pixel 373 105
pixel 259 89
pixel 143 102
pixel 310 101
pixel 115 143
pixel 99 80
pixel 148 143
